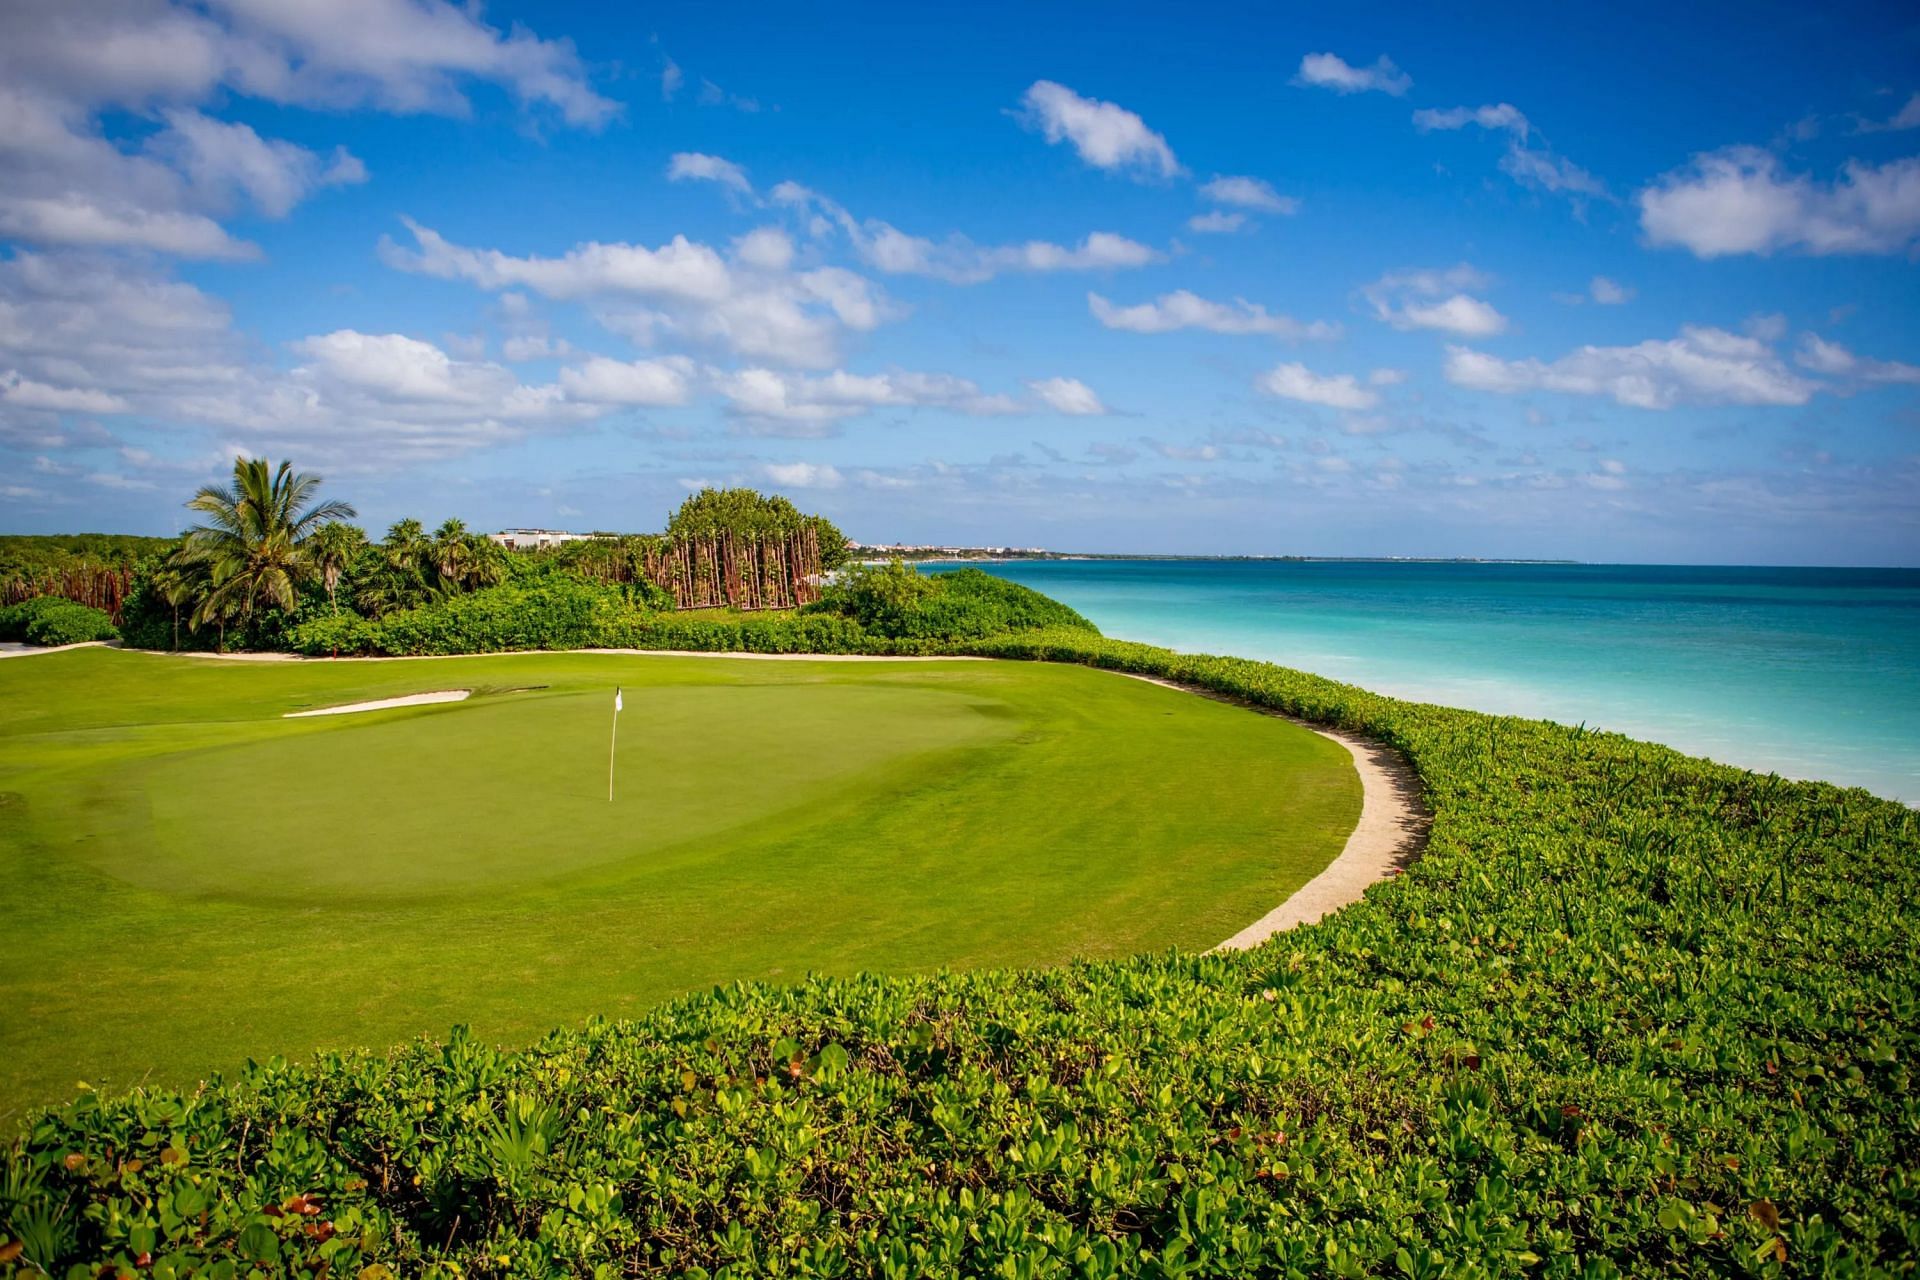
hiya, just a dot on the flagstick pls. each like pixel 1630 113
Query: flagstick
pixel 613 738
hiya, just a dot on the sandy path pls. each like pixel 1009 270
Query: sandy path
pixel 1389 836
pixel 381 704
pixel 11 649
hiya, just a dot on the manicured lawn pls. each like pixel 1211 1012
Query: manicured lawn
pixel 191 879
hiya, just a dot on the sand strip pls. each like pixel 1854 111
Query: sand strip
pixel 382 704
pixel 12 649
pixel 1389 836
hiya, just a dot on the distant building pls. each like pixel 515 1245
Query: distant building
pixel 535 539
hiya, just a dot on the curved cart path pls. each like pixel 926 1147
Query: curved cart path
pixel 1389 836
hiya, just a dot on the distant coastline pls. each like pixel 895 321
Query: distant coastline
pixel 880 555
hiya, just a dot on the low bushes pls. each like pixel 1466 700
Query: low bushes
pixel 890 610
pixel 54 620
pixel 1631 1013
pixel 897 601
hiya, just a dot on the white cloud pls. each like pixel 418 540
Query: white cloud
pixel 1742 200
pixel 671 78
pixel 1106 135
pixel 1703 366
pixel 1431 299
pixel 1335 391
pixel 1330 71
pixel 65 65
pixel 751 303
pixel 1069 396
pixel 1184 310
pixel 693 165
pixel 1527 160
pixel 1216 222
pixel 957 259
pixel 803 475
pixel 1907 117
pixel 637 382
pixel 394 55
pixel 1387 377
pixel 83 333
pixel 1496 116
pixel 219 157
pixel 1249 193
pixel 1834 360
pixel 74 220
pixel 17 392
pixel 1608 293
pixel 818 402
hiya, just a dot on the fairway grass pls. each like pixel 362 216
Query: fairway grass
pixel 192 879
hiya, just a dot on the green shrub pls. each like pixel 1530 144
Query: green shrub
pixel 54 620
pixel 1631 1013
pixel 73 624
pixel 897 601
pixel 15 617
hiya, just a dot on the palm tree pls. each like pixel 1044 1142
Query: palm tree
pixel 452 550
pixel 254 542
pixel 332 548
pixel 405 545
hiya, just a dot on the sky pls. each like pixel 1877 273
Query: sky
pixel 1632 283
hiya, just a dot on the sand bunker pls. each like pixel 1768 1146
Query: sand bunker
pixel 382 704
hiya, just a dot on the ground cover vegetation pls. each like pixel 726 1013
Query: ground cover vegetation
pixel 1631 1013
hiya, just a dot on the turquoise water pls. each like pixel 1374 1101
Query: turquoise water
pixel 1811 673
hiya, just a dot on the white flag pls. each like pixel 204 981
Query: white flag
pixel 618 705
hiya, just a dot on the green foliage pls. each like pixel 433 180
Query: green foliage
pixel 751 513
pixel 69 623
pixel 898 601
pixel 29 557
pixel 547 611
pixel 53 620
pixel 1631 1013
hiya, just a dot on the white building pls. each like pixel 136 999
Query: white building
pixel 535 539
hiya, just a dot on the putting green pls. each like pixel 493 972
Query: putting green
pixel 193 879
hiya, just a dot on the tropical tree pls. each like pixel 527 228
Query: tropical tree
pixel 452 552
pixel 406 546
pixel 253 545
pixel 332 548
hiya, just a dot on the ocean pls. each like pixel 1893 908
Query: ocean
pixel 1810 673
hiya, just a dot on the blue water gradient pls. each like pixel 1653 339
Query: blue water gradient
pixel 1811 673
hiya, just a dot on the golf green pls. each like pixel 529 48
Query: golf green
pixel 193 879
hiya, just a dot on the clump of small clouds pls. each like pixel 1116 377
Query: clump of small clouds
pixel 1435 299
pixel 1743 200
pixel 1295 381
pixel 1527 160
pixel 1701 366
pixel 1331 71
pixel 1068 396
pixel 1183 309
pixel 1105 134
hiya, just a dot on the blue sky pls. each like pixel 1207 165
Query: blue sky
pixel 1635 283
